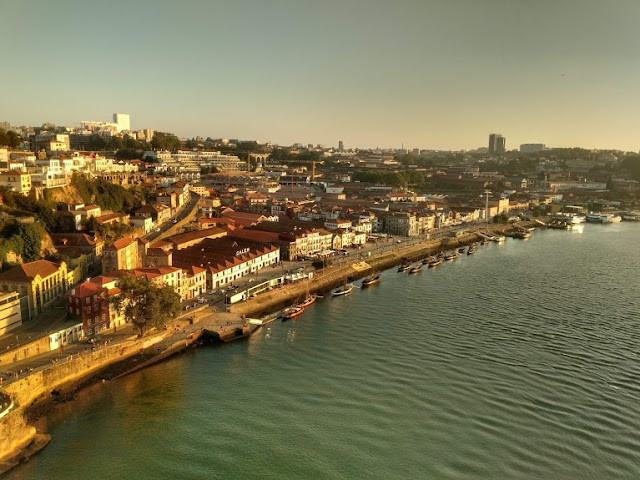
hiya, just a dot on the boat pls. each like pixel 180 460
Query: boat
pixel 435 263
pixel 522 234
pixel 604 218
pixel 404 268
pixel 426 260
pixel 451 258
pixel 611 218
pixel 342 290
pixel 292 312
pixel 498 238
pixel 371 280
pixel 415 269
pixel 471 250
pixel 631 216
pixel 307 301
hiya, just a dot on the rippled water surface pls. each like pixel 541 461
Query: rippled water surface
pixel 521 361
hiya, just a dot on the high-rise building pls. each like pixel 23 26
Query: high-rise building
pixel 122 120
pixel 340 146
pixel 532 147
pixel 497 143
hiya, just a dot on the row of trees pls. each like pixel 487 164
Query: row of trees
pixel 390 178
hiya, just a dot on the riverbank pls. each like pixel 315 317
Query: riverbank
pixel 332 277
pixel 39 393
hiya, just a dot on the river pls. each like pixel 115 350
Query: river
pixel 520 361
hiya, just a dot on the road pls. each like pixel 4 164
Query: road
pixel 182 214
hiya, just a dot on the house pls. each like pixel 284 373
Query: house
pixel 90 301
pixel 143 223
pixel 123 254
pixel 159 276
pixel 84 253
pixel 41 282
pixel 10 312
pixel 168 199
pixel 88 211
pixel 194 281
pixel 17 181
pixel 113 218
pixel 199 190
pixel 158 212
pixel 338 223
pixel 181 189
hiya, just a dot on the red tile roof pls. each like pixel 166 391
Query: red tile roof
pixel 26 272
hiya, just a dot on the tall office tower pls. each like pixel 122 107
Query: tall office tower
pixel 340 146
pixel 497 143
pixel 123 121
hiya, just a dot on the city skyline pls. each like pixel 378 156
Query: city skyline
pixel 424 74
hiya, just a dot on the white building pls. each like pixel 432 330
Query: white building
pixel 123 121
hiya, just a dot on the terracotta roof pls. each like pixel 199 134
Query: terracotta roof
pixel 26 272
pixel 198 234
pixel 121 243
pixel 111 216
pixel 72 239
pixel 102 280
pixel 85 289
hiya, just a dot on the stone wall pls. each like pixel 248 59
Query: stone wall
pixel 28 350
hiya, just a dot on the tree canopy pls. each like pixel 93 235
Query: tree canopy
pixel 107 195
pixel 9 139
pixel 146 305
pixel 165 141
pixel 390 178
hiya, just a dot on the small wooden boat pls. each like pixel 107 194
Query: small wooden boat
pixel 371 280
pixel 450 258
pixel 427 260
pixel 471 251
pixel 404 268
pixel 292 312
pixel 435 263
pixel 343 290
pixel 306 302
pixel 415 269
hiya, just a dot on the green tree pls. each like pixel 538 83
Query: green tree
pixel 31 237
pixel 145 305
pixel 165 141
pixel 90 225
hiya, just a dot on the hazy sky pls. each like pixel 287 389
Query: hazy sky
pixel 429 73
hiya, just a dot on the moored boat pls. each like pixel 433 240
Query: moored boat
pixel 404 268
pixel 415 269
pixel 435 263
pixel 292 312
pixel 342 290
pixel 371 280
pixel 451 257
pixel 307 301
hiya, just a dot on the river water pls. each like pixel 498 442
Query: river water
pixel 521 361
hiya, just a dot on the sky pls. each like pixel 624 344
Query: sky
pixel 432 74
